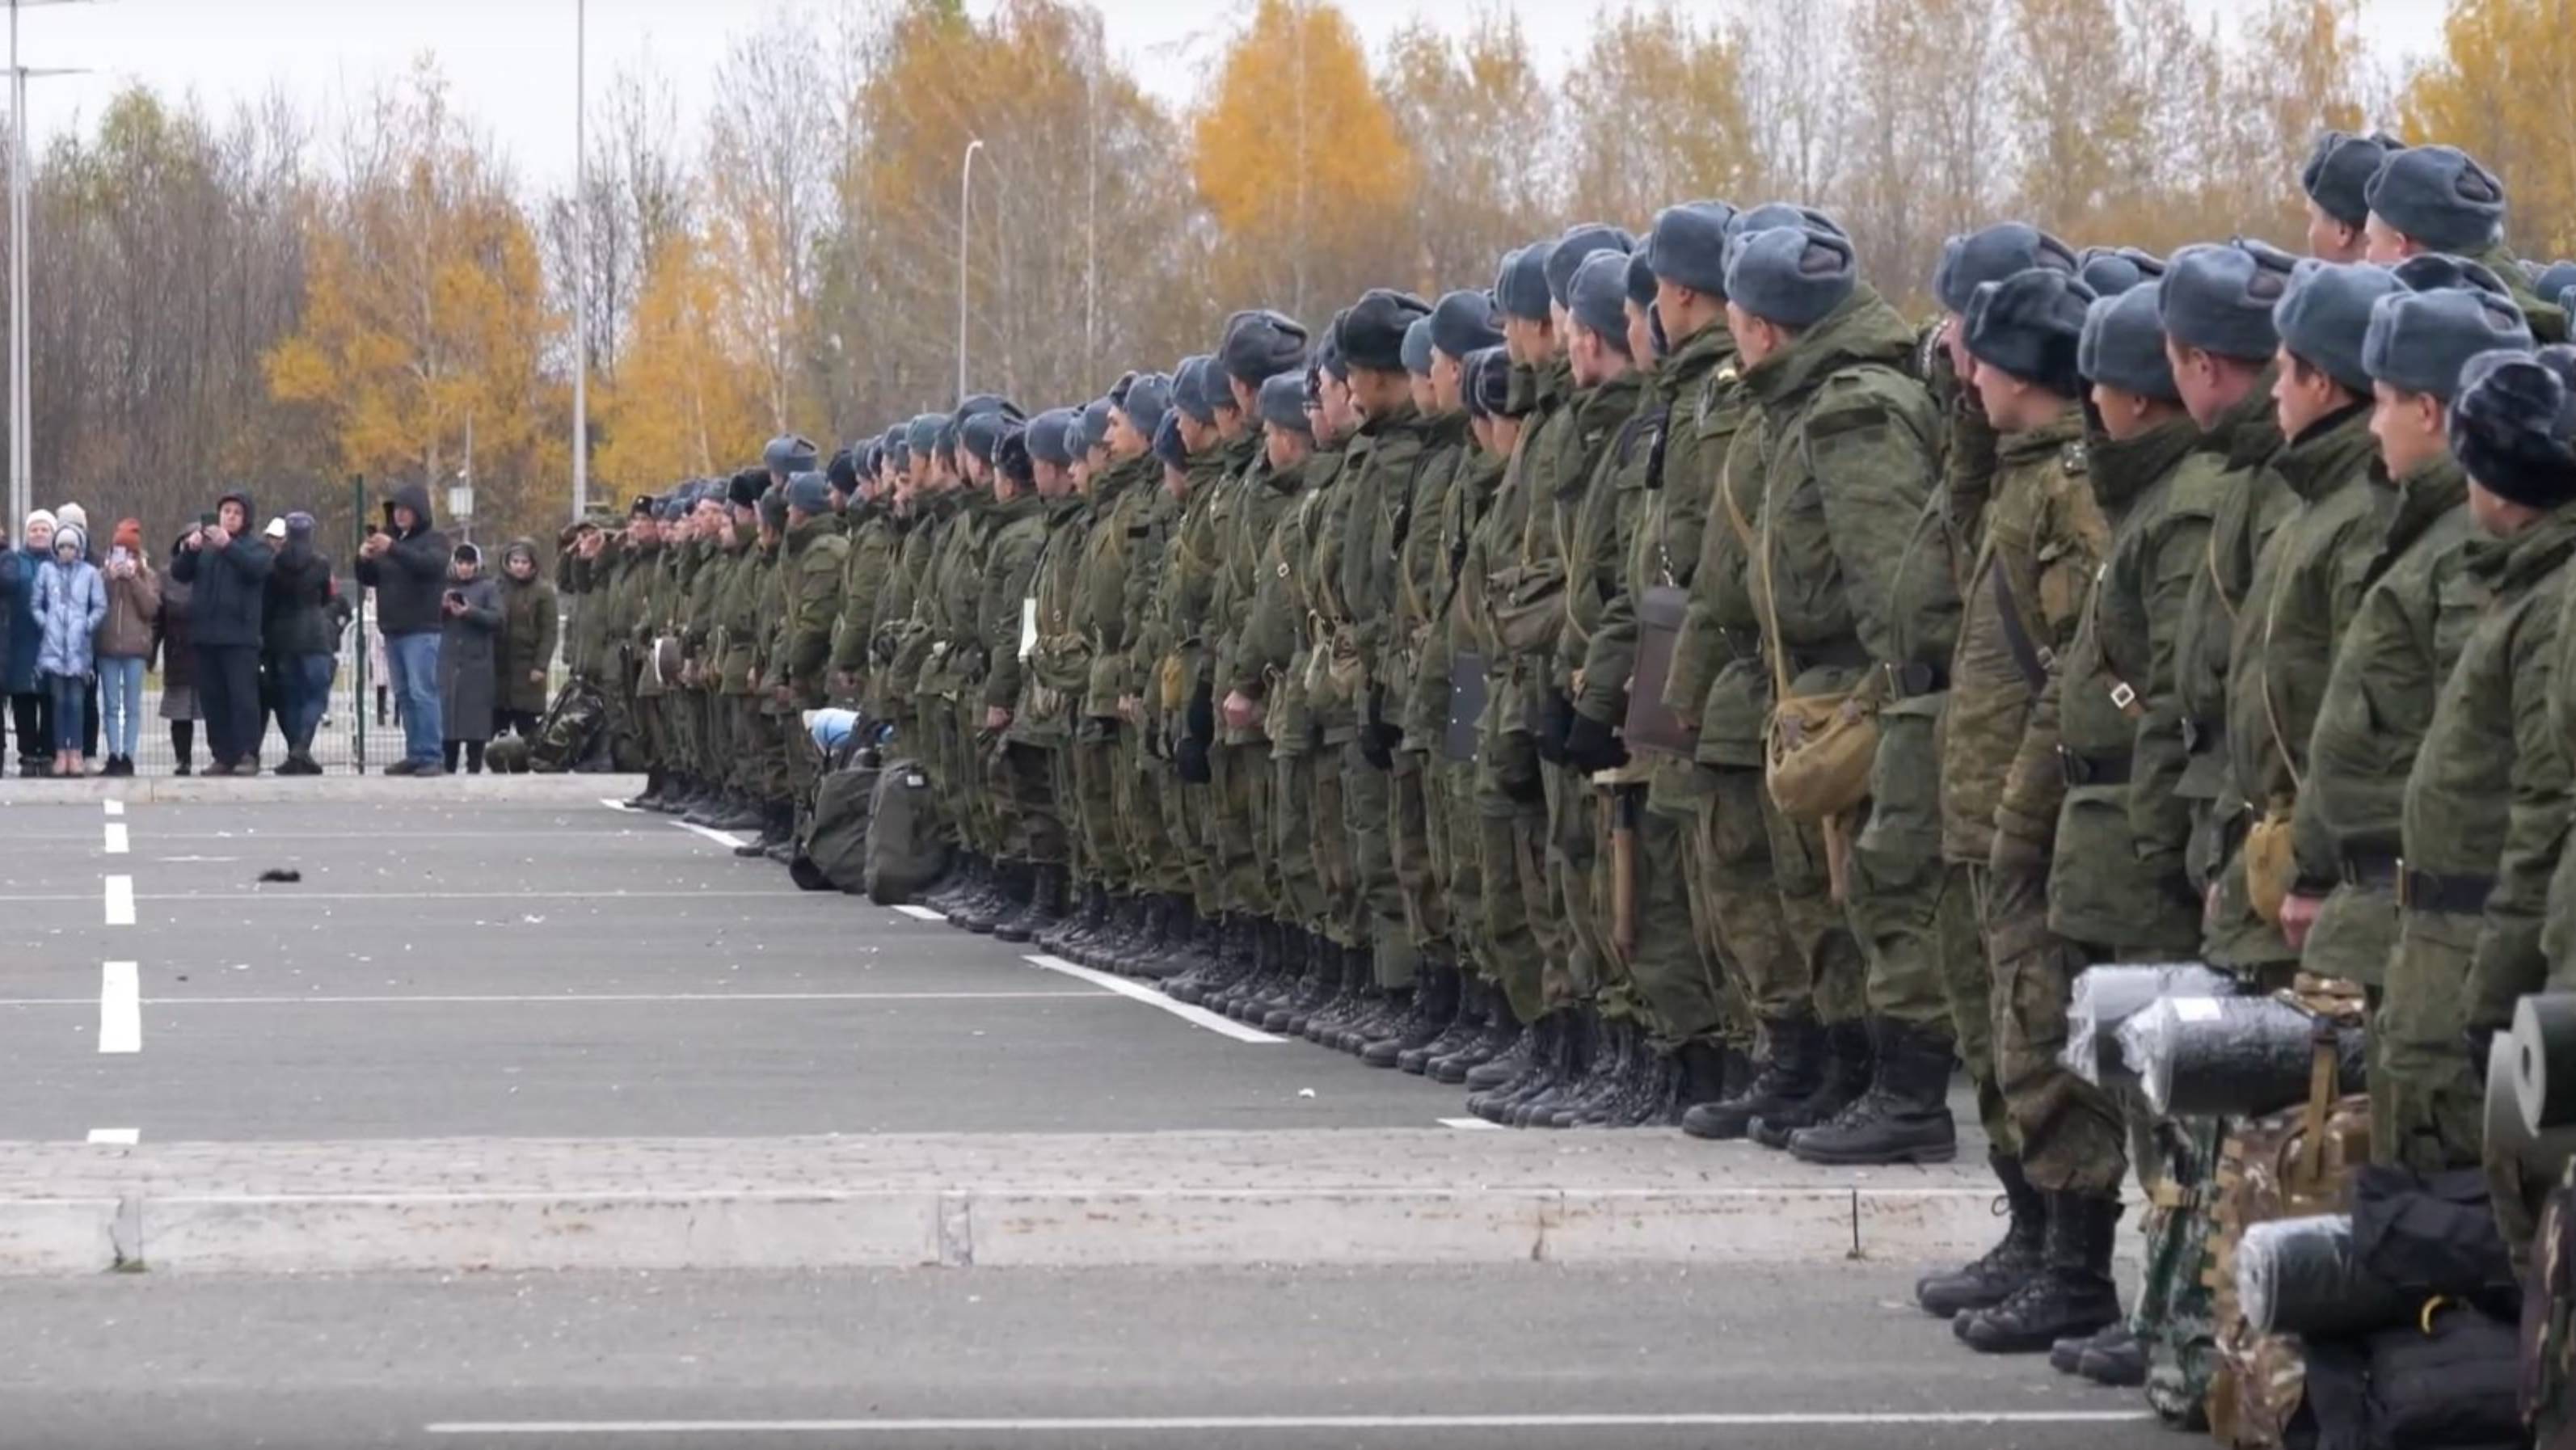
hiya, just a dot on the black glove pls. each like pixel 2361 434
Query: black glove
pixel 1373 749
pixel 1192 758
pixel 1590 746
pixel 1555 721
pixel 1200 723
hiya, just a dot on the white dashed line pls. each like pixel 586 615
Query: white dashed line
pixel 120 901
pixel 1469 1125
pixel 120 1009
pixel 116 843
pixel 116 1137
pixel 116 808
pixel 922 913
pixel 1197 1016
pixel 726 839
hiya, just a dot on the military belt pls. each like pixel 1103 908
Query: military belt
pixel 2083 770
pixel 1909 680
pixel 2451 895
pixel 2374 869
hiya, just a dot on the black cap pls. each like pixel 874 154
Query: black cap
pixel 1371 333
pixel 2513 425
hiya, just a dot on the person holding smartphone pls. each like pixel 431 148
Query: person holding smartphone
pixel 227 564
pixel 125 640
pixel 468 661
pixel 406 564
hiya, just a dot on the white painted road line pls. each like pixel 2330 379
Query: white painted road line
pixel 572 998
pixel 922 913
pixel 116 808
pixel 1199 1016
pixel 116 843
pixel 1469 1125
pixel 1206 1423
pixel 726 839
pixel 116 1137
pixel 120 1009
pixel 120 901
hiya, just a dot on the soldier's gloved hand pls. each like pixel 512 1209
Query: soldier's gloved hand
pixel 1556 721
pixel 1373 749
pixel 1591 745
pixel 1191 759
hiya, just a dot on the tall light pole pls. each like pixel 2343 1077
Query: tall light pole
pixel 22 451
pixel 965 198
pixel 581 259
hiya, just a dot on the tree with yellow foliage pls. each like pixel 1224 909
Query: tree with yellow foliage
pixel 2502 90
pixel 1655 115
pixel 424 313
pixel 1297 159
pixel 684 403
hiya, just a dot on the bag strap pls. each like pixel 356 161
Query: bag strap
pixel 2216 581
pixel 2027 653
pixel 2271 714
pixel 2321 1090
pixel 1760 570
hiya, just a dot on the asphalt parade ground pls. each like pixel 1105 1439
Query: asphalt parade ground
pixel 533 1121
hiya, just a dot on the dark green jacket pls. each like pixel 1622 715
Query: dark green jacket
pixel 1018 534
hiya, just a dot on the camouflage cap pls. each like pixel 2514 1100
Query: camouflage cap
pixel 2513 424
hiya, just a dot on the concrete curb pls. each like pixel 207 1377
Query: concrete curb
pixel 563 790
pixel 260 1234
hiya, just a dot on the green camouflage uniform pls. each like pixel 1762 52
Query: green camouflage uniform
pixel 2306 584
pixel 870 528
pixel 1247 575
pixel 1265 663
pixel 1020 775
pixel 2484 815
pixel 1118 496
pixel 1171 643
pixel 2044 540
pixel 809 576
pixel 1330 660
pixel 1417 800
pixel 1055 673
pixel 1385 464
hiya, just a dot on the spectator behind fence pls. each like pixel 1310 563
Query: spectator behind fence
pixel 406 562
pixel 467 660
pixel 31 710
pixel 14 588
pixel 303 638
pixel 94 550
pixel 125 640
pixel 228 565
pixel 528 627
pixel 175 635
pixel 70 602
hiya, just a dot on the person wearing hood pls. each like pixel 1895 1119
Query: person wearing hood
pixel 406 564
pixel 467 661
pixel 305 614
pixel 125 641
pixel 227 565
pixel 70 602
pixel 31 709
pixel 528 626
pixel 72 515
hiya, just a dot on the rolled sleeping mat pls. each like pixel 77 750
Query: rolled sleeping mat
pixel 2303 1276
pixel 2107 996
pixel 2544 1068
pixel 2231 1056
pixel 2509 1136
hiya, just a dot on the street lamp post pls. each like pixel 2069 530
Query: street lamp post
pixel 581 259
pixel 22 451
pixel 965 199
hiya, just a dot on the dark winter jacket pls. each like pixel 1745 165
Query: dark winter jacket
pixel 299 602
pixel 174 630
pixel 411 576
pixel 17 615
pixel 528 629
pixel 467 661
pixel 229 582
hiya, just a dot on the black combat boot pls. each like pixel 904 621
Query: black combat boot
pixel 693 806
pixel 1995 1275
pixel 1435 1007
pixel 783 850
pixel 1168 925
pixel 1297 960
pixel 1465 1026
pixel 1348 983
pixel 2113 1357
pixel 676 791
pixel 1317 981
pixel 1512 1073
pixel 741 813
pixel 1181 940
pixel 1482 1067
pixel 644 799
pixel 1588 1102
pixel 1010 880
pixel 1045 907
pixel 1703 1064
pixel 1279 976
pixel 1094 900
pixel 943 893
pixel 1848 1067
pixel 1792 1071
pixel 1130 939
pixel 777 823
pixel 705 806
pixel 2071 1295
pixel 1905 1115
pixel 1535 1105
pixel 1253 963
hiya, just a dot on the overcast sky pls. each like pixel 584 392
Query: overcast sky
pixel 510 62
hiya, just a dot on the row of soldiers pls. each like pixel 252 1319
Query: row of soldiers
pixel 1670 686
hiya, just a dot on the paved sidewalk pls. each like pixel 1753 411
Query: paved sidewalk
pixel 1430 1196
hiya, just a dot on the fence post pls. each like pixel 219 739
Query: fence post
pixel 358 527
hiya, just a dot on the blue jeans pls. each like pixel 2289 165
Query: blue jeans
pixel 70 694
pixel 120 704
pixel 411 660
pixel 304 693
